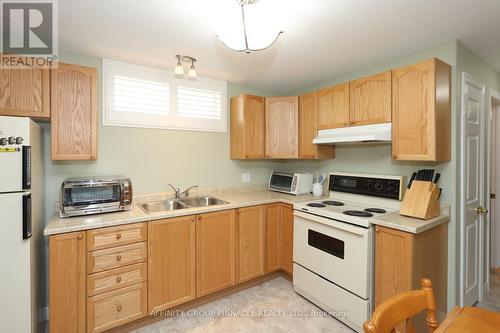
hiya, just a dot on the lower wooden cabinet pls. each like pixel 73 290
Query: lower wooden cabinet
pixel 273 237
pixel 67 273
pixel 171 262
pixel 286 238
pixel 250 243
pixel 215 252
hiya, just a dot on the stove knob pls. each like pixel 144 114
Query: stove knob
pixel 3 141
pixel 379 186
pixel 12 140
pixel 19 140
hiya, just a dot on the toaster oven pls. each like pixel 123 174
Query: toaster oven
pixel 95 195
pixel 291 183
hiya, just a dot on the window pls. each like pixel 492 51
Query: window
pixel 139 96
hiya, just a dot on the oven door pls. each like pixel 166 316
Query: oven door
pixel 337 251
pixel 90 197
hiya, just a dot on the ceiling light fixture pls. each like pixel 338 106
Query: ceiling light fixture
pixel 179 70
pixel 249 30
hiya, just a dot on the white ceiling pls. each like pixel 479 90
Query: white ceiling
pixel 322 39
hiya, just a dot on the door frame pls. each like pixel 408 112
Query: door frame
pixel 493 95
pixel 483 178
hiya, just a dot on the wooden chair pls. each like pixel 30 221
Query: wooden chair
pixel 400 308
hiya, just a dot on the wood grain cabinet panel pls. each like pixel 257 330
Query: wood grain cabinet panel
pixel 67 272
pixel 104 238
pixel 248 127
pixel 273 215
pixel 286 238
pixel 333 106
pixel 101 260
pixel 74 112
pixel 421 116
pixel 250 242
pixel 25 92
pixel 308 129
pixel 113 279
pixel 282 127
pixel 370 100
pixel 171 262
pixel 215 252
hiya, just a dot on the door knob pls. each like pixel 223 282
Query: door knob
pixel 481 210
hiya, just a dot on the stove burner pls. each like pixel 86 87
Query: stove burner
pixel 376 210
pixel 333 203
pixel 316 204
pixel 359 213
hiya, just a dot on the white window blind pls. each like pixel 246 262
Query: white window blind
pixel 137 96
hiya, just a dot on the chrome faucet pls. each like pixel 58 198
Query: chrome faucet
pixel 179 194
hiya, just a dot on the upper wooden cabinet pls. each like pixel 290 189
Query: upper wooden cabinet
pixel 248 127
pixel 308 129
pixel 25 92
pixel 282 127
pixel 333 106
pixel 74 112
pixel 370 100
pixel 421 112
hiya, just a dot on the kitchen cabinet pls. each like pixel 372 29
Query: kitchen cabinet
pixel 333 106
pixel 286 238
pixel 67 273
pixel 282 127
pixel 25 92
pixel 273 228
pixel 247 130
pixel 250 242
pixel 73 112
pixel 370 100
pixel 171 264
pixel 402 259
pixel 308 129
pixel 421 117
pixel 215 252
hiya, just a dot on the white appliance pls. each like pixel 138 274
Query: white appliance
pixel 355 134
pixel 333 244
pixel 291 183
pixel 21 223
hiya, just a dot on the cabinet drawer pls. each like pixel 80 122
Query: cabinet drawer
pixel 99 283
pixel 116 308
pixel 116 236
pixel 102 260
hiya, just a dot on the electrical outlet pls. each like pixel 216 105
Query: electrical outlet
pixel 245 178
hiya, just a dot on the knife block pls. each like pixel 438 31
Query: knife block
pixel 421 200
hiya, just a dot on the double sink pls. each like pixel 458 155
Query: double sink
pixel 176 204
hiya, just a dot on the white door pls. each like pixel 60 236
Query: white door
pixel 472 188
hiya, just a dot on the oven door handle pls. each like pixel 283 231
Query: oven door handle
pixel 341 225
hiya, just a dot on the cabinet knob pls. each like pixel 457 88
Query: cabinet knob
pixel 352 122
pixel 118 236
pixel 80 237
pixel 345 124
pixel 118 258
pixel 119 279
pixel 377 229
pixel 119 308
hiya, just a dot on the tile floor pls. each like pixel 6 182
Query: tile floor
pixel 271 307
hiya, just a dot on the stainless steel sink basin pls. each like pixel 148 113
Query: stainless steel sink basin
pixel 174 204
pixel 202 201
pixel 162 206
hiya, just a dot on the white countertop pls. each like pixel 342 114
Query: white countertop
pixel 236 199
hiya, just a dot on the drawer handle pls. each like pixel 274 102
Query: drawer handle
pixel 80 237
pixel 118 236
pixel 119 279
pixel 119 308
pixel 118 258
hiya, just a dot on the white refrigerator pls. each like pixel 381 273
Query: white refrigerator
pixel 21 225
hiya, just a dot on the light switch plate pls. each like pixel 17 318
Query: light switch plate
pixel 245 178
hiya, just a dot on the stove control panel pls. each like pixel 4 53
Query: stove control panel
pixel 390 187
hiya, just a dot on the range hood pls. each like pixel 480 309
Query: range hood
pixel 355 134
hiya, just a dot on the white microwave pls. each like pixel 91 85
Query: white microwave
pixel 291 183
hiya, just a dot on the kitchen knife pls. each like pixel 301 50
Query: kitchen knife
pixel 412 179
pixel 436 179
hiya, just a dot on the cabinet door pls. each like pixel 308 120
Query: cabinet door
pixel 250 242
pixel 308 129
pixel 371 100
pixel 421 112
pixel 74 113
pixel 282 118
pixel 273 237
pixel 333 106
pixel 215 252
pixel 171 264
pixel 25 92
pixel 286 238
pixel 67 264
pixel 248 127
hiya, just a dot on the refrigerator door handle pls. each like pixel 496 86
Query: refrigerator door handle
pixel 27 216
pixel 26 167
